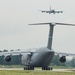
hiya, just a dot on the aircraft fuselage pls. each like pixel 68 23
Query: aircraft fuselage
pixel 41 58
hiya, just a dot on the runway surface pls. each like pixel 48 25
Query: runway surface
pixel 39 69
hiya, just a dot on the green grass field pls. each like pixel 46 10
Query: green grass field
pixel 20 72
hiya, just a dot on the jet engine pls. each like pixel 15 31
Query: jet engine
pixel 62 59
pixel 7 58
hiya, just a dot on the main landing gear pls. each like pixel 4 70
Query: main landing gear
pixel 47 68
pixel 32 68
pixel 28 68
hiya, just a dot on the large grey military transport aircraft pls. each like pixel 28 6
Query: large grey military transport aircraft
pixel 51 11
pixel 41 57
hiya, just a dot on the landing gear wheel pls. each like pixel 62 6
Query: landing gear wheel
pixel 47 68
pixel 28 68
pixel 24 68
pixel 51 68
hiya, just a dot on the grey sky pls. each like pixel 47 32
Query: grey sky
pixel 15 15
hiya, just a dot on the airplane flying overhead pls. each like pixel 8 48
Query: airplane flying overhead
pixel 51 11
pixel 41 57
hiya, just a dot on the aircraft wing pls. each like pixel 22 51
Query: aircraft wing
pixel 45 11
pixel 15 53
pixel 64 54
pixel 58 11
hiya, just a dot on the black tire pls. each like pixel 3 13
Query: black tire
pixel 51 68
pixel 24 68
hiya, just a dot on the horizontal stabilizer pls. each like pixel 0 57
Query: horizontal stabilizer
pixel 65 24
pixel 39 23
pixel 53 23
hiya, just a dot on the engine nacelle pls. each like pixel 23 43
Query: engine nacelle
pixel 7 58
pixel 63 59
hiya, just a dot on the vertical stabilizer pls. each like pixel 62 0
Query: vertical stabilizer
pixel 50 36
pixel 50 8
pixel 49 46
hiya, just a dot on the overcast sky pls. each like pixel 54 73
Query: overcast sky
pixel 15 33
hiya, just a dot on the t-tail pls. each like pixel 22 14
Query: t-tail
pixel 51 25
